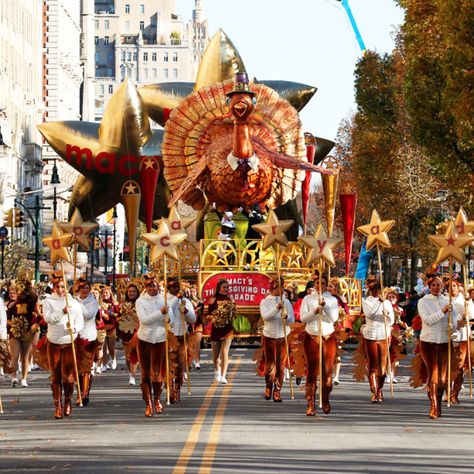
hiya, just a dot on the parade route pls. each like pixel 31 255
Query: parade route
pixel 231 428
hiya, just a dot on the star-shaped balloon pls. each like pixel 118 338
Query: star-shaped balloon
pixel 450 244
pixel 81 230
pixel 163 242
pixel 176 222
pixel 58 244
pixel 319 247
pixel 376 231
pixel 109 153
pixel 273 231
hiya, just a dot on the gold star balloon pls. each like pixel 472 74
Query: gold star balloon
pixel 109 153
pixel 58 244
pixel 450 244
pixel 163 242
pixel 176 222
pixel 376 231
pixel 319 247
pixel 81 230
pixel 273 231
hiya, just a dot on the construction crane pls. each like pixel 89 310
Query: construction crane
pixel 360 41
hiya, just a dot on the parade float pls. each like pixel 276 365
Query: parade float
pixel 227 144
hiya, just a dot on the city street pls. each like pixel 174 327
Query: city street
pixel 232 429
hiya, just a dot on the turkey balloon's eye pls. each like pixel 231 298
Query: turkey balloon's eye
pixel 227 101
pixel 254 101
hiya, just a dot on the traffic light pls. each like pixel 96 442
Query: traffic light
pixel 8 218
pixel 19 218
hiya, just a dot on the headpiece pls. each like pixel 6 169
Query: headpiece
pixel 148 277
pixel 56 278
pixel 241 85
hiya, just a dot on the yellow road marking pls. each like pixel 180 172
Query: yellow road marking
pixel 210 451
pixel 193 437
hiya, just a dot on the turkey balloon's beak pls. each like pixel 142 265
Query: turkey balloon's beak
pixel 240 108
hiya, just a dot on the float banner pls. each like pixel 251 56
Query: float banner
pixel 246 288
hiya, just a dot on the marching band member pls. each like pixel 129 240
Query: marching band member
pixel 128 324
pixel 461 345
pixel 21 321
pixel 379 319
pixel 153 316
pixel 109 313
pixel 434 310
pixel 59 347
pixel 273 311
pixel 180 306
pixel 314 307
pixel 88 337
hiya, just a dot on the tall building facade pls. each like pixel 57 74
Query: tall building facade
pixel 62 86
pixel 146 41
pixel 21 104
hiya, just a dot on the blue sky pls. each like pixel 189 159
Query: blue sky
pixel 308 41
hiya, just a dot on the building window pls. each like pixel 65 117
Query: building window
pixel 129 55
pixel 127 8
pixel 102 89
pixel 142 25
pixel 165 57
pixel 106 24
pixel 175 73
pixel 123 56
pixel 145 57
pixel 110 73
pixel 97 57
pixel 127 26
pixel 155 72
pixel 110 57
pixel 135 56
pixel 175 57
pixel 111 89
pixel 106 40
pixel 96 24
pixel 153 56
pixel 96 40
pixel 146 73
pixel 142 8
pixel 165 73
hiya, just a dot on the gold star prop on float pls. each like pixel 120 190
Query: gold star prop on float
pixel 79 229
pixel 163 242
pixel 175 222
pixel 451 244
pixel 273 231
pixel 58 243
pixel 319 247
pixel 376 231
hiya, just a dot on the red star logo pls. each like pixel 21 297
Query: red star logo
pixel 451 241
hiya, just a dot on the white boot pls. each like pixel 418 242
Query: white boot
pixel 217 375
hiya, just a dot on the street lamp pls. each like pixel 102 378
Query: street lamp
pixel 114 253
pixel 55 181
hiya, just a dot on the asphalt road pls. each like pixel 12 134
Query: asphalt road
pixel 232 429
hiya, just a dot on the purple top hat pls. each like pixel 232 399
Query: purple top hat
pixel 241 85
